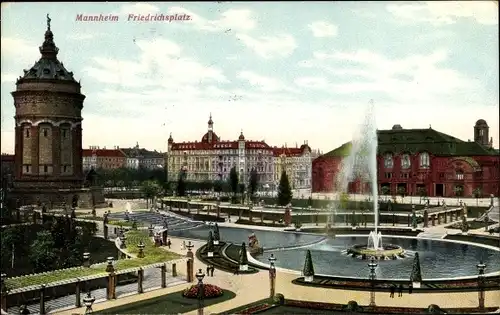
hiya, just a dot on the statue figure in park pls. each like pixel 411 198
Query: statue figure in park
pixel 465 224
pixel 414 222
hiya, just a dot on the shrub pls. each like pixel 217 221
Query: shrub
pixel 352 306
pixel 279 299
pixel 209 291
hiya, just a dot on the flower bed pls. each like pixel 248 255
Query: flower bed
pixel 209 291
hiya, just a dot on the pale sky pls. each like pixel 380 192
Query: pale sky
pixel 283 72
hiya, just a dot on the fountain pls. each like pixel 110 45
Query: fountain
pixel 128 208
pixel 361 164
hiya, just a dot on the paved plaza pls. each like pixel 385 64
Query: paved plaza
pixel 245 285
pixel 254 287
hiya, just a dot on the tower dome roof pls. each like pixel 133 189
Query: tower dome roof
pixel 481 122
pixel 48 67
pixel 241 137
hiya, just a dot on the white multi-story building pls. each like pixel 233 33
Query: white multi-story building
pixel 297 162
pixel 139 157
pixel 212 158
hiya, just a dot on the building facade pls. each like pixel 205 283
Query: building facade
pixel 211 158
pixel 422 162
pixel 297 162
pixel 139 157
pixel 107 159
pixel 48 132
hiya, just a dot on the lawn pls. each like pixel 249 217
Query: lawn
pixel 152 255
pixel 173 303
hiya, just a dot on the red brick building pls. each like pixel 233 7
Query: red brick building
pixel 422 162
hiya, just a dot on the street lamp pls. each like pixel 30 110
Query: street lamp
pixel 88 301
pixel 373 265
pixel 272 275
pixel 480 279
pixel 200 275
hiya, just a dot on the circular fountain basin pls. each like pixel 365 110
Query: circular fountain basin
pixel 387 252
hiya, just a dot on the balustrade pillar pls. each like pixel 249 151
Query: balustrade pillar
pixel 140 280
pixel 174 270
pixel 42 299
pixel 163 276
pixel 78 289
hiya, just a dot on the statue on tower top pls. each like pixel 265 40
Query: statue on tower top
pixel 48 22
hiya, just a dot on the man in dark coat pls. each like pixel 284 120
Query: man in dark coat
pixel 393 289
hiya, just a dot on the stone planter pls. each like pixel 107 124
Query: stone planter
pixel 216 242
pixel 416 285
pixel 243 267
pixel 210 254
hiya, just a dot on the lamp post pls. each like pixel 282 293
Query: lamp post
pixel 480 283
pixel 272 275
pixel 200 275
pixel 88 301
pixel 373 265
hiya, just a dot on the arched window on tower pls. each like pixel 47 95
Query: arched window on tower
pixel 27 132
pixel 481 132
pixel 424 160
pixel 459 175
pixel 388 160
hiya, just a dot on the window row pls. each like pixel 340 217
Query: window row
pixel 45 132
pixel 424 160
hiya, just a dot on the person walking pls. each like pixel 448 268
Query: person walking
pixel 208 270
pixel 393 289
pixel 212 268
pixel 410 288
pixel 400 290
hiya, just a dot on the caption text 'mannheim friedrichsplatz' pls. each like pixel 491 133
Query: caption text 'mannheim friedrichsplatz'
pixel 132 17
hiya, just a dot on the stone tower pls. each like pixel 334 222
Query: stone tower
pixel 481 132
pixel 48 143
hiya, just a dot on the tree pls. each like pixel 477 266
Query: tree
pixel 216 232
pixel 385 190
pixel 150 189
pixel 284 190
pixel 477 193
pixel 243 255
pixel 210 242
pixel 308 270
pixel 233 181
pixel 181 184
pixel 402 191
pixel 42 254
pixel 458 190
pixel 344 200
pixel 416 273
pixel 253 182
pixel 422 192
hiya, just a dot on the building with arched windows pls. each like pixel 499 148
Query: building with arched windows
pixel 48 132
pixel 422 162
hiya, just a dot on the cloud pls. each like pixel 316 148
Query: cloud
pixel 160 63
pixel 232 19
pixel 19 52
pixel 446 12
pixel 312 82
pixel 270 46
pixel 83 36
pixel 323 29
pixel 264 83
pixel 139 8
pixel 415 77
pixel 9 77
